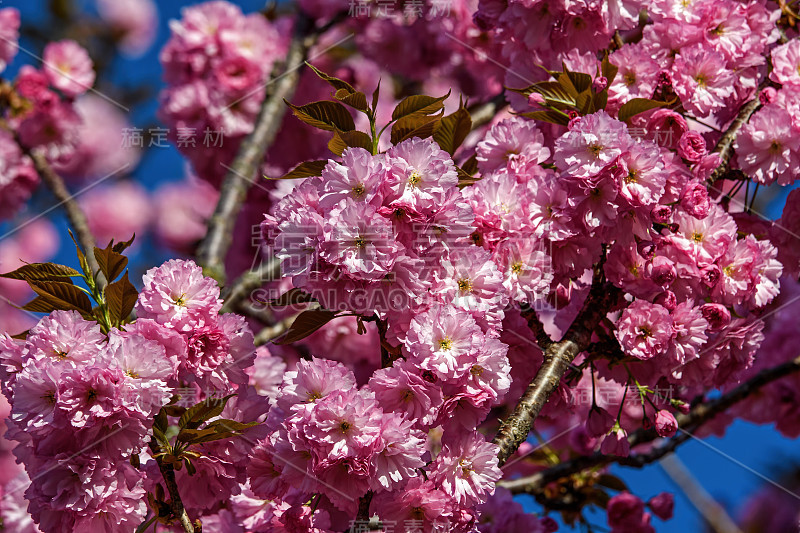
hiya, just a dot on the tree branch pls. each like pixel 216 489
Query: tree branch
pixel 75 215
pixel 240 289
pixel 557 359
pixel 687 423
pixel 168 473
pixel 212 250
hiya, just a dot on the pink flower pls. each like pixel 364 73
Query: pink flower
pixel 689 327
pixel 667 126
pixel 68 67
pixel 702 79
pixel 9 34
pixel 466 469
pixel 692 146
pixel 419 500
pixel 399 454
pixel 420 173
pixel 18 178
pixel 665 423
pixel 768 147
pixel 181 211
pixel 403 389
pixel 359 176
pixel 177 295
pixel 642 176
pixel 644 330
pixel 786 63
pixel 117 211
pixel 592 145
pixel 65 338
pixel 90 395
pixel 135 20
pixel 511 144
pixel 717 315
pixel 312 380
pixel 528 271
pixel 695 200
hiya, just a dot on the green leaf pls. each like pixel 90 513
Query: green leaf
pixel 579 80
pixel 121 298
pixel 305 324
pixel 552 117
pixel 224 424
pixel 453 130
pixel 189 435
pixel 375 95
pixel 65 296
pixel 419 104
pixel 291 297
pixel 342 140
pixel 161 421
pixel 611 482
pixel 42 272
pixel 79 252
pixel 324 115
pixel 356 100
pixel 335 82
pixel 470 166
pixel 307 169
pixel 111 263
pixel 39 305
pixel 196 415
pixel 465 179
pixel 637 105
pixel 122 246
pixel 554 94
pixel 421 126
pixel 607 70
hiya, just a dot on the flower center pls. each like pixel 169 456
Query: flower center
pixel 644 331
pixel 360 242
pixel 414 179
pixel 465 285
pixel 629 78
pixel 313 396
pixel 697 237
pixel 633 176
pixel 445 344
pixel 180 301
pixel 466 467
pixel 476 370
pixel 595 149
pixel 345 426
pixel 516 268
pixel 775 147
pixel 359 190
pixel 702 80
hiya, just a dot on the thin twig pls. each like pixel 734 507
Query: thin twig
pixel 713 513
pixel 168 473
pixel 557 359
pixel 251 280
pixel 75 215
pixel 699 414
pixel 212 250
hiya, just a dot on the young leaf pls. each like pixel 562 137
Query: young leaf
pixel 342 140
pixel 293 296
pixel 81 258
pixel 305 324
pixel 635 106
pixel 122 246
pixel 415 126
pixel 324 115
pixel 375 95
pixel 470 166
pixel 465 179
pixel 196 415
pixel 335 82
pixel 64 296
pixel 305 170
pixel 579 80
pixel 42 271
pixel 111 263
pixel 453 130
pixel 356 100
pixel 554 94
pixel 608 71
pixel 552 117
pixel 121 298
pixel 39 305
pixel 419 104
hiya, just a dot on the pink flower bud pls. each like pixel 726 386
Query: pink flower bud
pixel 667 299
pixel 710 275
pixel 661 214
pixel 767 96
pixel 599 422
pixel 717 315
pixel 599 83
pixel 574 120
pixel 692 146
pixel 680 405
pixel 647 249
pixel 662 505
pixel 625 512
pixel 662 271
pixel 666 425
pixel 616 443
pixel 695 201
pixel 560 297
pixel 535 99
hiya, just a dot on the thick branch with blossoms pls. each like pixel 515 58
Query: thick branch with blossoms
pixel 687 423
pixel 557 358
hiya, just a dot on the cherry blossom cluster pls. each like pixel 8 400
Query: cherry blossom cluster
pixel 216 63
pixel 83 401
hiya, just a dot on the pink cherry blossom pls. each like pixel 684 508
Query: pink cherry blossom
pixel 68 67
